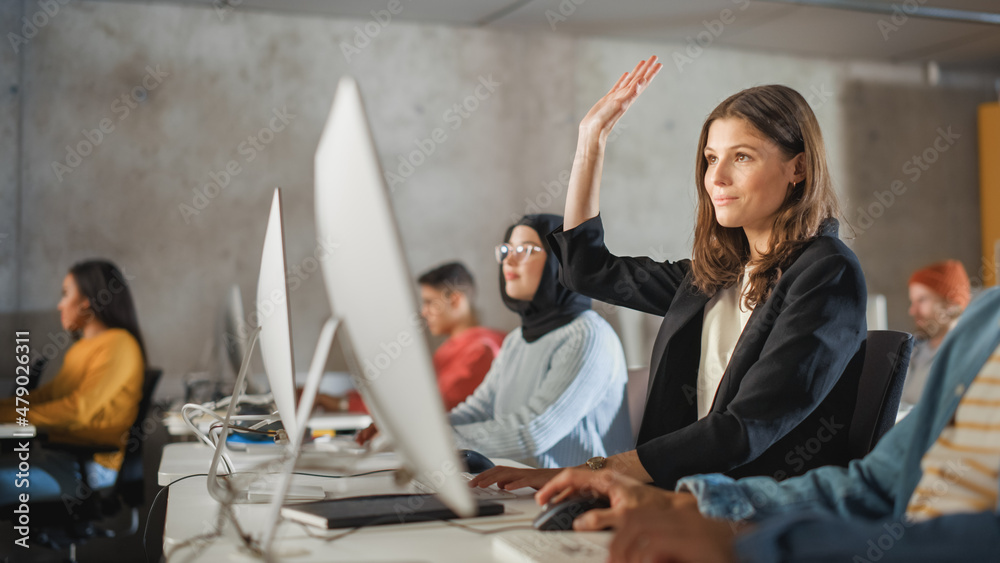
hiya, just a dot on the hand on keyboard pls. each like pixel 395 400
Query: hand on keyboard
pixel 487 493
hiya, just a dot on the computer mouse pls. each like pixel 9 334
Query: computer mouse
pixel 560 515
pixel 475 462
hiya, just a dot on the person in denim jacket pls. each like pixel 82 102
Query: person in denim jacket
pixel 927 492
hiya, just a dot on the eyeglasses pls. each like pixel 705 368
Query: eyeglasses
pixel 515 253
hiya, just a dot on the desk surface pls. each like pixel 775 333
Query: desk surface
pixel 191 512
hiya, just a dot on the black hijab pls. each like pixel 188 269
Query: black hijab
pixel 553 305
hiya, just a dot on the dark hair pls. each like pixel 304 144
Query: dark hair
pixel 782 115
pixel 104 285
pixel 453 276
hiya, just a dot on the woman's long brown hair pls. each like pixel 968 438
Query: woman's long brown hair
pixel 721 254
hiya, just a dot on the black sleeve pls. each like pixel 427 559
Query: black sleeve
pixel 587 267
pixel 819 324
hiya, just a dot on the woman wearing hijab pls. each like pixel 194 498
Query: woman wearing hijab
pixel 555 395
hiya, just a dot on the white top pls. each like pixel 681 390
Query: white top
pixel 555 402
pixel 725 318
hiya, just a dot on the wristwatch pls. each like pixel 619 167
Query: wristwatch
pixel 596 463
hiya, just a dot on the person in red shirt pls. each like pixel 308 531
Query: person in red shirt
pixel 461 362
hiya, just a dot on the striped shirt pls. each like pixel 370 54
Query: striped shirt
pixel 554 402
pixel 961 469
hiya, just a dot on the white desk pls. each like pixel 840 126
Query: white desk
pixel 192 458
pixel 191 511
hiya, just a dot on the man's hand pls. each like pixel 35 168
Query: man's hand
pixel 680 535
pixel 625 493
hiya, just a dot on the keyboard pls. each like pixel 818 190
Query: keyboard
pixel 533 546
pixel 485 493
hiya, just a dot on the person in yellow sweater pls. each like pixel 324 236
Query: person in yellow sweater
pixel 94 398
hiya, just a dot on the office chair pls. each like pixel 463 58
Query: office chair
pixel 71 520
pixel 886 357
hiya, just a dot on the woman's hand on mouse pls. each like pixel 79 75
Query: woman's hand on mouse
pixel 510 478
pixel 625 494
pixel 682 536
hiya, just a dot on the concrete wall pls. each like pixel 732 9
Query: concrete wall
pixel 10 112
pixel 913 183
pixel 215 79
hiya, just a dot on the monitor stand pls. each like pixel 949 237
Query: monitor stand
pixel 333 328
pixel 258 485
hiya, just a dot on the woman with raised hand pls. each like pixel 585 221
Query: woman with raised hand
pixel 758 327
pixel 555 393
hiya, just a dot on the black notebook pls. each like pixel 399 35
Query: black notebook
pixel 378 510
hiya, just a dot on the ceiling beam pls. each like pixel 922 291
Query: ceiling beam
pixel 916 11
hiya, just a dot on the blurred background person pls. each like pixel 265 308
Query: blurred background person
pixel 939 293
pixel 94 398
pixel 447 293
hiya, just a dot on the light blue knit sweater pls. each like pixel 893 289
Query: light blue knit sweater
pixel 554 402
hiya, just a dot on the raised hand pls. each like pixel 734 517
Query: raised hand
pixel 601 118
pixel 583 194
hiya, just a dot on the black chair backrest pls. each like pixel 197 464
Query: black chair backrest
pixel 129 484
pixel 887 356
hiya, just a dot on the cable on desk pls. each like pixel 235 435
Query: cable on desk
pixel 244 429
pixel 225 513
pixel 344 476
pixel 487 532
pixel 152 505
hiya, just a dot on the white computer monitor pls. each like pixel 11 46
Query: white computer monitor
pixel 274 318
pixel 371 292
pixel 275 337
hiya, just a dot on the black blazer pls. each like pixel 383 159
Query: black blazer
pixel 782 406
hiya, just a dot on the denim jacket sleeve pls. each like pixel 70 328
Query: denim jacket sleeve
pixel 825 538
pixel 864 489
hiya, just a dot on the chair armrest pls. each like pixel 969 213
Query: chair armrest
pixel 79 450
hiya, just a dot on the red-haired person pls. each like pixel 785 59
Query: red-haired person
pixel 939 293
